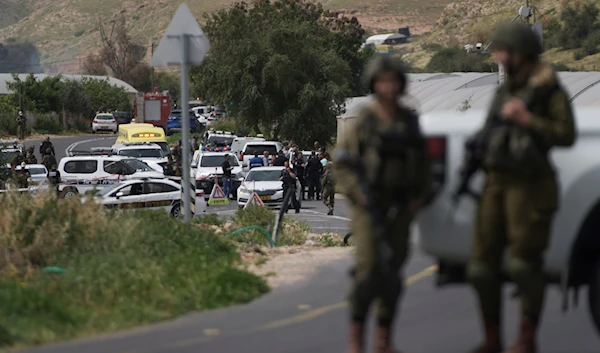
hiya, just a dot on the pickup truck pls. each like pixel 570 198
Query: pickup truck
pixel 573 258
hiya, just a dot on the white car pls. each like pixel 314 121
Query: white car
pixel 260 147
pixel 84 173
pixel 156 194
pixel 38 173
pixel 150 153
pixel 265 182
pixel 105 122
pixel 206 167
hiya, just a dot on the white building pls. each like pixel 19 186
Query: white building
pixel 386 39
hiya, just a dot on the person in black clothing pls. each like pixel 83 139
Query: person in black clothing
pixel 54 178
pixel 288 177
pixel 314 169
pixel 169 171
pixel 280 160
pixel 44 147
pixel 299 170
pixel 227 176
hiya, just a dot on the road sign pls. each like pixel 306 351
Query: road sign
pixel 217 196
pixel 254 200
pixel 169 53
pixel 184 43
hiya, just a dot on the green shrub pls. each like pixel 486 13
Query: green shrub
pixel 291 232
pixel 79 33
pixel 81 125
pixel 458 60
pixel 124 268
pixel 48 123
pixel 8 123
pixel 226 124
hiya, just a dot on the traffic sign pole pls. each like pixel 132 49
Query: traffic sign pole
pixel 185 136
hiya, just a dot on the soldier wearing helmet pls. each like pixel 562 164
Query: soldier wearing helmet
pixel 381 175
pixel 520 196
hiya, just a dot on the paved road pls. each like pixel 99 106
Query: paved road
pixel 311 317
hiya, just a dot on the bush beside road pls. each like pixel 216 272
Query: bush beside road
pixel 123 269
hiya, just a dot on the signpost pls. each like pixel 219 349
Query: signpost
pixel 183 44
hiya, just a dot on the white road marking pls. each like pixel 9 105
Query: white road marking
pixel 75 144
pixel 325 215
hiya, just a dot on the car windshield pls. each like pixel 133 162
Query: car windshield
pixel 220 140
pixel 217 161
pixel 249 150
pixel 37 171
pixel 108 190
pixel 143 153
pixel 264 175
pixel 138 165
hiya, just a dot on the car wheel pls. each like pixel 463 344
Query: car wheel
pixel 68 193
pixel 176 211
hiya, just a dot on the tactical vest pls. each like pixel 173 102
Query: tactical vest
pixel 512 149
pixel 392 158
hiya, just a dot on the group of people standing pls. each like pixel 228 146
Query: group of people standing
pixel 21 176
pixel 316 172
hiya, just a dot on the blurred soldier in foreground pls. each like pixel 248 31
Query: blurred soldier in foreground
pixel 383 169
pixel 520 196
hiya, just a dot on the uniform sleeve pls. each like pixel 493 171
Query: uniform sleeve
pixel 348 160
pixel 557 129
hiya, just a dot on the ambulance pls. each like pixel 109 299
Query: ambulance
pixel 138 133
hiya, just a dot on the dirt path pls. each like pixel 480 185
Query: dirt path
pixel 287 265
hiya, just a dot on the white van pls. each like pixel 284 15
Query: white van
pixel 237 146
pixel 270 146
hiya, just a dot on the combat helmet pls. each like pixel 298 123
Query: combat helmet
pixel 518 37
pixel 384 63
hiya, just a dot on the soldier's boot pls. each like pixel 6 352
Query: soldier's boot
pixel 383 341
pixel 526 340
pixel 356 342
pixel 493 341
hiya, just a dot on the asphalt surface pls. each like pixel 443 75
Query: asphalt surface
pixel 311 317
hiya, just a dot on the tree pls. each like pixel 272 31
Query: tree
pixel 41 96
pixel 168 82
pixel 579 21
pixel 103 95
pixel 458 60
pixel 75 101
pixel 121 54
pixel 279 67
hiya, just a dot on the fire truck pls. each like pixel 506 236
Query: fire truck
pixel 153 108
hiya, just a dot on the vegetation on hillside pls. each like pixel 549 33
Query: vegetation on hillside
pixel 290 74
pixel 123 269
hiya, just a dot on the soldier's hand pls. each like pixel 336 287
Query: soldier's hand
pixel 516 111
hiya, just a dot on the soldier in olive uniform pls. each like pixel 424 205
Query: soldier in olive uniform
pixel 17 159
pixel 399 184
pixel 328 185
pixel 520 196
pixel 48 159
pixel 30 157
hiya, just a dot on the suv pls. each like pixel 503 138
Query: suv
pixel 150 153
pixel 206 166
pixel 219 141
pixel 270 146
pixel 122 117
pixel 84 173
pixel 573 258
pixel 174 122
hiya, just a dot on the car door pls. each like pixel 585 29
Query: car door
pixel 129 196
pixel 160 195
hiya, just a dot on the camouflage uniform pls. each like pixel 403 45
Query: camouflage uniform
pixel 394 183
pixel 328 187
pixel 30 158
pixel 518 203
pixel 17 159
pixel 48 159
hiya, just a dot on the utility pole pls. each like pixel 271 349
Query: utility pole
pixel 152 72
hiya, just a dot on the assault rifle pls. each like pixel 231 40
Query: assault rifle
pixel 472 163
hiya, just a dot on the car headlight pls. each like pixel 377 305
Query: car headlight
pixel 244 191
pixel 279 192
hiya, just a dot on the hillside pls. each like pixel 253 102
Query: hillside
pixel 64 30
pixel 12 12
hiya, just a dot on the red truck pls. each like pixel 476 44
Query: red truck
pixel 153 108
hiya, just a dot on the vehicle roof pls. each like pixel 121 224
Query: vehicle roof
pixel 33 166
pixel 152 180
pixel 138 145
pixel 217 154
pixel 267 168
pixel 264 143
pixel 88 158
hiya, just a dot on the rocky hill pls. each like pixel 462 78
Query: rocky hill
pixel 64 31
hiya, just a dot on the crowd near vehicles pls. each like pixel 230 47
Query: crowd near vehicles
pixel 218 141
pixel 80 174
pixel 259 147
pixel 206 168
pixel 156 194
pixel 265 182
pixel 104 122
pixel 8 149
pixel 143 133
pixel 573 258
pixel 153 108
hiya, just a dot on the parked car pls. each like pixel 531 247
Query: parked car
pixel 206 167
pixel 123 117
pixel 174 122
pixel 265 182
pixel 38 173
pixel 105 122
